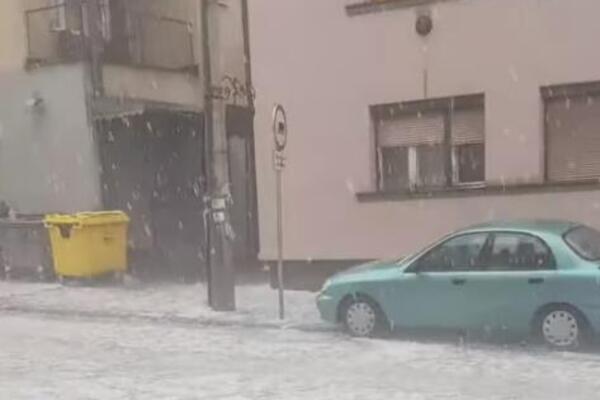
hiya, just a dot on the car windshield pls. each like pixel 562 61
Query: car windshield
pixel 585 241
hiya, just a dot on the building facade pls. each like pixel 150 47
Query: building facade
pixel 412 118
pixel 102 106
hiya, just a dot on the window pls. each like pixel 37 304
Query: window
pixel 470 163
pixel 395 160
pixel 430 165
pixel 58 20
pixel 585 242
pixel 462 253
pixel 468 149
pixel 572 120
pixel 430 144
pixel 519 252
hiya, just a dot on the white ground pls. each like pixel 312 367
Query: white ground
pixel 106 353
pixel 256 304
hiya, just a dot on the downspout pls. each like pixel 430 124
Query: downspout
pixel 250 98
pixel 247 62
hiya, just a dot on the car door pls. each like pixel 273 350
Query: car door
pixel 515 281
pixel 430 292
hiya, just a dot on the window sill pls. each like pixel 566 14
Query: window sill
pixel 489 190
pixel 373 6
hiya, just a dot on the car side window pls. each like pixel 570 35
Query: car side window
pixel 462 253
pixel 519 252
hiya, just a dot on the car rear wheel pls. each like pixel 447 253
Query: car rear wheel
pixel 362 317
pixel 563 327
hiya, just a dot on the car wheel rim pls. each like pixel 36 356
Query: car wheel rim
pixel 360 319
pixel 560 328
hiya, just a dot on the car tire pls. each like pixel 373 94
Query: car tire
pixel 362 317
pixel 562 327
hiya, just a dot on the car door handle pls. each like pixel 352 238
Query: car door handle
pixel 535 281
pixel 458 281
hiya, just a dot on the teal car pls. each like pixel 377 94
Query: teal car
pixel 522 279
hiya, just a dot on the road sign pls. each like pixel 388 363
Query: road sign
pixel 280 128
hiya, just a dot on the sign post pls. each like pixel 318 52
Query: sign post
pixel 280 133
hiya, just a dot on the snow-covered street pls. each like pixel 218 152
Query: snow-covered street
pixel 120 343
pixel 50 358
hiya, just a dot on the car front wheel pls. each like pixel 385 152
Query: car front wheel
pixel 363 318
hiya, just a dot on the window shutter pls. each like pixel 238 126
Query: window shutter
pixel 468 126
pixel 573 138
pixel 411 130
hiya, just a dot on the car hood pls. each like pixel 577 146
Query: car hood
pixel 368 270
pixel 371 266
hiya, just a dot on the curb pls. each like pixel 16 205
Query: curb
pixel 160 319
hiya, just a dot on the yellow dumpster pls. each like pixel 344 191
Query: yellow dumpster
pixel 88 245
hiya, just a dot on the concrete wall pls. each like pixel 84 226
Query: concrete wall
pixel 13 38
pixel 47 155
pixel 327 68
pixel 154 85
pixel 48 159
pixel 231 40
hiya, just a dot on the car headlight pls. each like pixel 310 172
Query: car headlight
pixel 326 285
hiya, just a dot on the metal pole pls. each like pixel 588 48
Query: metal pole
pixel 280 243
pixel 280 133
pixel 208 140
pixel 221 279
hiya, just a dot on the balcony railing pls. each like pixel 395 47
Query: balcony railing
pixel 55 34
pixel 153 41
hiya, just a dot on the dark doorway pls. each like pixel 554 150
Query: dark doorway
pixel 153 170
pixel 240 141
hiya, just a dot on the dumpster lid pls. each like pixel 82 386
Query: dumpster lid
pixel 88 218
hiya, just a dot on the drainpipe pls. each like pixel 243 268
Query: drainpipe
pixel 250 98
pixel 247 62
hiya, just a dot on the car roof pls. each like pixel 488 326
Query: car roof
pixel 539 226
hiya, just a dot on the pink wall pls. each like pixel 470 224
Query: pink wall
pixel 327 68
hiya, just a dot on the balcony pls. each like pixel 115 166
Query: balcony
pixel 54 35
pixel 152 41
pixel 57 34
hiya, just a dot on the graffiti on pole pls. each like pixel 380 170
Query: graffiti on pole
pixel 233 90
